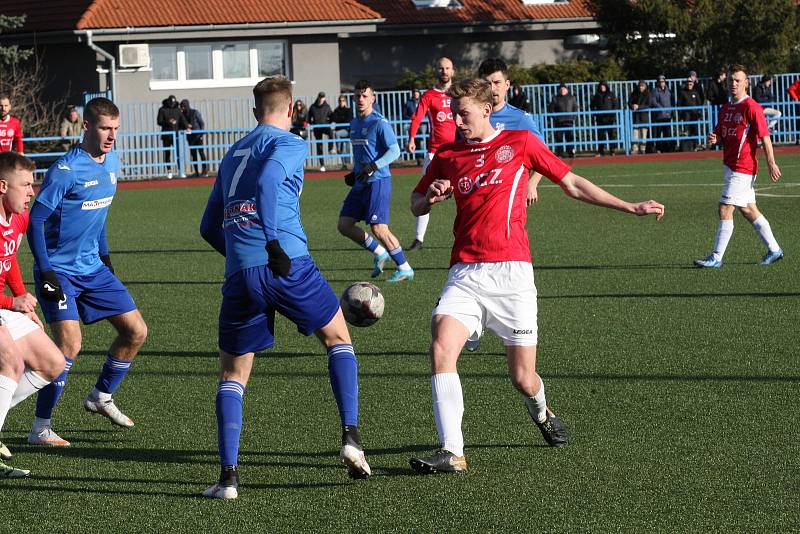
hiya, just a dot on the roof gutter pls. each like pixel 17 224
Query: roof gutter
pixel 109 57
pixel 244 26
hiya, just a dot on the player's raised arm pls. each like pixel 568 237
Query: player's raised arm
pixel 582 189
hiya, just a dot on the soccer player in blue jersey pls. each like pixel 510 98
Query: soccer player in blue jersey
pixel 374 148
pixel 253 219
pixel 73 273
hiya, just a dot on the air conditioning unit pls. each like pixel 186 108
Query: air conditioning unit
pixel 134 55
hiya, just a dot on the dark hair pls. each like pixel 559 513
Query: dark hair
pixel 492 65
pixel 363 85
pixel 5 96
pixel 477 89
pixel 272 93
pixel 100 106
pixel 11 161
pixel 736 67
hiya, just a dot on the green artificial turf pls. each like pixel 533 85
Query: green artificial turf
pixel 679 386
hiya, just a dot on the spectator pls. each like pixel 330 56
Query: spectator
pixel 661 114
pixel 300 119
pixel 519 99
pixel 689 97
pixel 10 127
pixel 408 112
pixel 604 100
pixel 71 126
pixel 698 86
pixel 194 137
pixel 717 93
pixel 341 117
pixel 564 102
pixel 320 113
pixel 794 94
pixel 764 96
pixel 639 102
pixel 171 120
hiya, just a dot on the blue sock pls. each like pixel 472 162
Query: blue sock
pixel 370 244
pixel 48 396
pixel 398 256
pixel 229 421
pixel 111 375
pixel 343 374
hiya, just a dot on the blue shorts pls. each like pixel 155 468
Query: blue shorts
pixel 369 203
pixel 251 297
pixel 90 297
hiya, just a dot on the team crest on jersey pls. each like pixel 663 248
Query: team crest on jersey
pixel 113 177
pixel 737 118
pixel 441 116
pixel 504 154
pixel 464 185
pixel 500 126
pixel 364 131
pixel 10 132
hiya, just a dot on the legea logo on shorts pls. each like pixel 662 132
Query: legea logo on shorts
pixel 523 332
pixel 97 204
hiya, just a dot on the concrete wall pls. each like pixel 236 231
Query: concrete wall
pixel 315 68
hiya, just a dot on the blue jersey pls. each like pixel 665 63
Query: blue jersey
pixel 371 137
pixel 259 184
pixel 79 191
pixel 511 118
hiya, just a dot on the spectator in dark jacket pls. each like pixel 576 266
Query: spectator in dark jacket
pixel 764 96
pixel 194 137
pixel 171 120
pixel 698 86
pixel 320 113
pixel 341 117
pixel 689 97
pixel 639 102
pixel 604 100
pixel 519 99
pixel 300 119
pixel 717 93
pixel 564 102
pixel 660 102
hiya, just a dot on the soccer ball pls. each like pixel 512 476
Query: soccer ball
pixel 362 304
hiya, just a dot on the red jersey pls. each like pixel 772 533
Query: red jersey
pixel 11 233
pixel 11 134
pixel 490 182
pixel 741 124
pixel 436 104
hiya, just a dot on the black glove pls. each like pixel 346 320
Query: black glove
pixel 279 263
pixel 350 179
pixel 49 287
pixel 366 171
pixel 107 260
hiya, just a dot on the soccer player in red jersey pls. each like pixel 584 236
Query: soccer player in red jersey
pixel 741 125
pixel 435 104
pixel 10 127
pixel 490 283
pixel 29 360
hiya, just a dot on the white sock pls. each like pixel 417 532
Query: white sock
pixel 7 387
pixel 404 266
pixel 422 227
pixel 764 231
pixel 379 250
pixel 39 423
pixel 537 405
pixel 724 233
pixel 99 395
pixel 448 410
pixel 29 383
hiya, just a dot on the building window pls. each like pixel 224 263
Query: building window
pixel 270 59
pixel 198 62
pixel 164 62
pixel 236 61
pixel 201 65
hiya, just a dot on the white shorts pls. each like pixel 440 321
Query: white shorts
pixel 500 297
pixel 738 189
pixel 18 325
pixel 428 158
